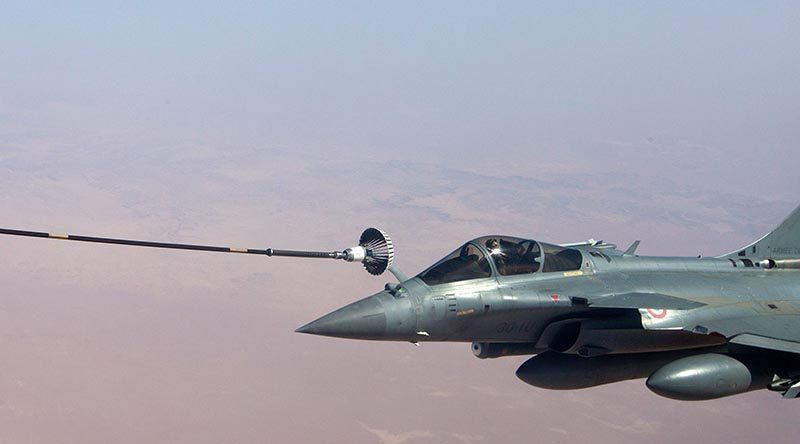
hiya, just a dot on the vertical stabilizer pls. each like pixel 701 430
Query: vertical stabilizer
pixel 781 243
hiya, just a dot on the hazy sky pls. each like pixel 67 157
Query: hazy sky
pixel 297 125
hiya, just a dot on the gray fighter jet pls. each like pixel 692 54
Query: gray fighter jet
pixel 696 327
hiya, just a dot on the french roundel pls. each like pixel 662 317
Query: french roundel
pixel 657 313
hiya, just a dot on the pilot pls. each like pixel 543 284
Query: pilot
pixel 499 257
pixel 493 245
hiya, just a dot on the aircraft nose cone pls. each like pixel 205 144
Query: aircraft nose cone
pixel 364 319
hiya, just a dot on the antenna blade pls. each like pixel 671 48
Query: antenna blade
pixel 632 249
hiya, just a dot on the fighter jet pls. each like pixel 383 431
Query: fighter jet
pixel 697 328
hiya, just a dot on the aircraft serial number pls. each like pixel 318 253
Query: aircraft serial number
pixel 785 250
pixel 515 327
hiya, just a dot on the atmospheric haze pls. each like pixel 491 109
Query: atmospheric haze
pixel 297 125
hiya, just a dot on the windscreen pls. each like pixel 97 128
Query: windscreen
pixel 468 262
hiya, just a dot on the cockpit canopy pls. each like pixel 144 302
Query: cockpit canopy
pixel 507 256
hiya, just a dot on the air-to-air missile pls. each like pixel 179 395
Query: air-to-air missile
pixel 696 327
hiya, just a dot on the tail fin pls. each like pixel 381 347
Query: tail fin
pixel 781 243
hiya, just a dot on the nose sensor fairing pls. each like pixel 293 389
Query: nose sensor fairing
pixel 377 317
